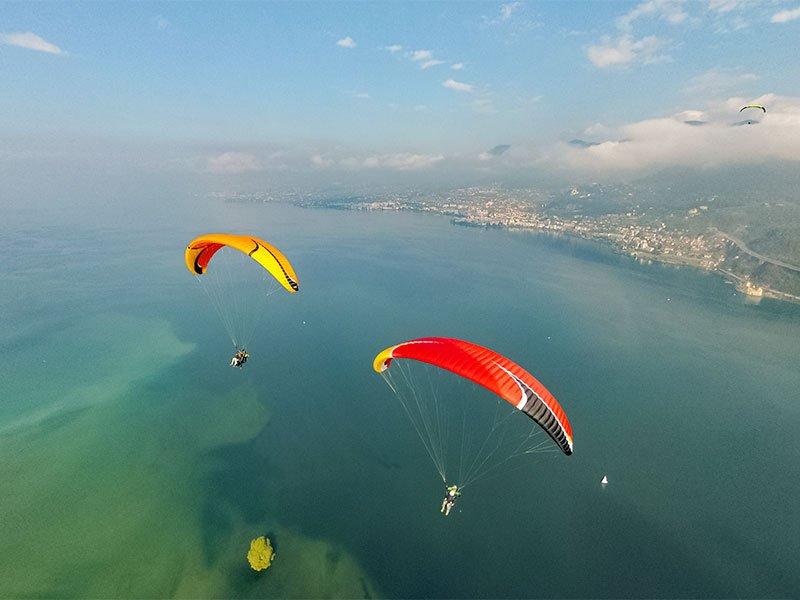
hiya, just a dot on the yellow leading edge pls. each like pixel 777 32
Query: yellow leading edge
pixel 201 249
pixel 379 364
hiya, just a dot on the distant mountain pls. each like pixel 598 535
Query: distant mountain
pixel 757 202
pixel 498 150
pixel 582 143
pixel 738 185
pixel 696 123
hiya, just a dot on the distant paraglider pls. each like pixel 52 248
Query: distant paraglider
pixel 755 106
pixel 465 434
pixel 751 109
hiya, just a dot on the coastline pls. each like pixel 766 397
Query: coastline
pixel 703 251
pixel 743 285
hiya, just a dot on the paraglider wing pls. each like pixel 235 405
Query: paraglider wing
pixel 494 372
pixel 201 249
pixel 756 106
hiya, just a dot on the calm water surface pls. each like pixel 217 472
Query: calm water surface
pixel 136 463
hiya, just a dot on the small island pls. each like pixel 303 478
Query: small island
pixel 261 554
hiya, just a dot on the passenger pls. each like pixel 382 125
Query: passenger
pixel 450 499
pixel 239 358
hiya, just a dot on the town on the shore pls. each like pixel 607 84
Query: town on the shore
pixel 645 233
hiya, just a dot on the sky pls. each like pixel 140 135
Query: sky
pixel 233 89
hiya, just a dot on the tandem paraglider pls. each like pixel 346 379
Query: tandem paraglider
pixel 246 271
pixel 239 358
pixel 450 499
pixel 468 436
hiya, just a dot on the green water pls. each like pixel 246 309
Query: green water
pixel 135 463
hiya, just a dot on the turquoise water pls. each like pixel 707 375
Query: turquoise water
pixel 136 463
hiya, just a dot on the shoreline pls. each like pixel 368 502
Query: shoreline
pixel 743 285
pixel 641 256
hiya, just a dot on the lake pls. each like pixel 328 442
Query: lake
pixel 137 463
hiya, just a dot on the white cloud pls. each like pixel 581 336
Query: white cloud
pixel 232 163
pixel 394 48
pixel 319 161
pixel 715 82
pixel 420 55
pixel 506 10
pixel 494 153
pixel 430 63
pixel 737 23
pixel 457 66
pixel 670 11
pixel 670 141
pixel 30 41
pixel 785 16
pixel 724 6
pixel 400 161
pixel 598 129
pixel 691 115
pixel 452 84
pixel 734 15
pixel 512 23
pixel 421 108
pixel 624 51
pixel 425 58
pixel 403 161
pixel 346 42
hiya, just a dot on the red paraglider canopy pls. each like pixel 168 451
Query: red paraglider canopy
pixel 493 371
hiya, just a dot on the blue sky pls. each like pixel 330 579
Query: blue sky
pixel 325 81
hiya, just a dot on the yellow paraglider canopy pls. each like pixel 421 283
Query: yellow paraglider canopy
pixel 201 249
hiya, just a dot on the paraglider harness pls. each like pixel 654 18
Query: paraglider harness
pixel 450 499
pixel 240 358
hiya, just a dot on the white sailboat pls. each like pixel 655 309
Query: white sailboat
pixel 604 480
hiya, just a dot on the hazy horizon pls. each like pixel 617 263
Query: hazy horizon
pixel 414 93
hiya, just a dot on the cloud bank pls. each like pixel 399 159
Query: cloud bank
pixel 679 140
pixel 400 161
